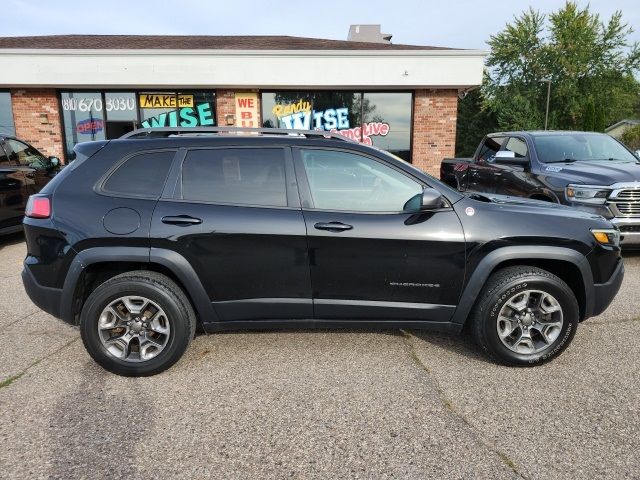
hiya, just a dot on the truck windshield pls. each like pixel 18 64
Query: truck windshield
pixel 567 147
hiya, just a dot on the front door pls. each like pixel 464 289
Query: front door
pixel 36 168
pixel 237 221
pixel 13 193
pixel 370 258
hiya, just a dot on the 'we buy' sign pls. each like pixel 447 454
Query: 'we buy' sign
pixel 247 110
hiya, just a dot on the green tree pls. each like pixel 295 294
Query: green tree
pixel 589 117
pixel 631 137
pixel 474 122
pixel 587 60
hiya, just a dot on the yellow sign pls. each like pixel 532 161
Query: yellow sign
pixel 160 100
pixel 247 110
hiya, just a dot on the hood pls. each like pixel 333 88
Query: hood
pixel 530 206
pixel 599 172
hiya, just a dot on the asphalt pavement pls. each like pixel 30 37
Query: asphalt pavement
pixel 319 403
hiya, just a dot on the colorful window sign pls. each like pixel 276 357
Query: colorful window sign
pixel 301 116
pixel 89 126
pixel 200 116
pixel 171 100
pixel 382 119
pixel 247 110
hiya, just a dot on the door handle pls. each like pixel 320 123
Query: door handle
pixel 333 226
pixel 182 220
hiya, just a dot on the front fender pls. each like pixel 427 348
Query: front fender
pixel 488 264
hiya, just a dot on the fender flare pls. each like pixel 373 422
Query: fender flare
pixel 480 275
pixel 169 259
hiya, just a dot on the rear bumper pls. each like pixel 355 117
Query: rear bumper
pixel 604 293
pixel 45 298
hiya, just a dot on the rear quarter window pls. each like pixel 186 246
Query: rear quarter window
pixel 142 175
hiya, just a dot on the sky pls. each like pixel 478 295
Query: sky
pixel 453 23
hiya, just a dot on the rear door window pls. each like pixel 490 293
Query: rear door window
pixel 141 175
pixel 489 148
pixel 237 176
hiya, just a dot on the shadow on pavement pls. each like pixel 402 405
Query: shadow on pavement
pixel 11 239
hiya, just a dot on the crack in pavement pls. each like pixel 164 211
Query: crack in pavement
pixel 24 317
pixel 409 341
pixel 9 380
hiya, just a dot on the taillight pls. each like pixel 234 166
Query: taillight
pixel 38 206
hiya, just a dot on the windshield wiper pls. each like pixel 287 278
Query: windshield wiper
pixel 566 160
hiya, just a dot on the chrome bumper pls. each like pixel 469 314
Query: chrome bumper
pixel 628 237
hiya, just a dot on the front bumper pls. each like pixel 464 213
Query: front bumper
pixel 629 230
pixel 604 293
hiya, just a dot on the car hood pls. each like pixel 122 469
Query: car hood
pixel 600 172
pixel 530 206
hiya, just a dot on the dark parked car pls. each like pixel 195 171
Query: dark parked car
pixel 23 172
pixel 140 239
pixel 590 171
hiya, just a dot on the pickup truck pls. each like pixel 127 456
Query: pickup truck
pixel 590 171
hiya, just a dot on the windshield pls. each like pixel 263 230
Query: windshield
pixel 579 147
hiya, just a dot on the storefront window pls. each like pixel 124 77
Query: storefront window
pixel 105 115
pixel 6 114
pixel 122 113
pixel 387 122
pixel 83 115
pixel 380 119
pixel 177 109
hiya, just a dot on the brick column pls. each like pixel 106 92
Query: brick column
pixel 434 128
pixel 226 105
pixel 30 106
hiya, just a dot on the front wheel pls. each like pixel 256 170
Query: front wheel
pixel 525 316
pixel 137 324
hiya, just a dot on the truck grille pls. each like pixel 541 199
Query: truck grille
pixel 633 195
pixel 627 202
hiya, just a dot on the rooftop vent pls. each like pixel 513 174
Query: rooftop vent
pixel 368 33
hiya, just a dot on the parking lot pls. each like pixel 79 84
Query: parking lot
pixel 318 404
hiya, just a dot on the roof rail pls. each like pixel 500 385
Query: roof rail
pixel 175 131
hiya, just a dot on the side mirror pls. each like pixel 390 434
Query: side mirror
pixel 54 161
pixel 432 199
pixel 507 157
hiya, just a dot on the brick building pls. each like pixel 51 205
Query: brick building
pixel 58 91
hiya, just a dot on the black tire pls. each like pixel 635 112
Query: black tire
pixel 161 290
pixel 500 287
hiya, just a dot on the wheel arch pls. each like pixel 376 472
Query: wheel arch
pixel 96 265
pixel 569 265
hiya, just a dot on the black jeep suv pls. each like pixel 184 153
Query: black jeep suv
pixel 140 239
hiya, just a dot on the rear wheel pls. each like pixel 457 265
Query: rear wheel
pixel 525 316
pixel 138 323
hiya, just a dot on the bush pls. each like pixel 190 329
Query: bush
pixel 631 137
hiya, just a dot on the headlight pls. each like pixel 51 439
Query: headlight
pixel 609 237
pixel 587 194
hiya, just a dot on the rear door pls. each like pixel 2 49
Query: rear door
pixel 483 174
pixel 370 258
pixel 234 214
pixel 516 180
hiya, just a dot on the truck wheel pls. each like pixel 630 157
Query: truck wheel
pixel 525 316
pixel 137 323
